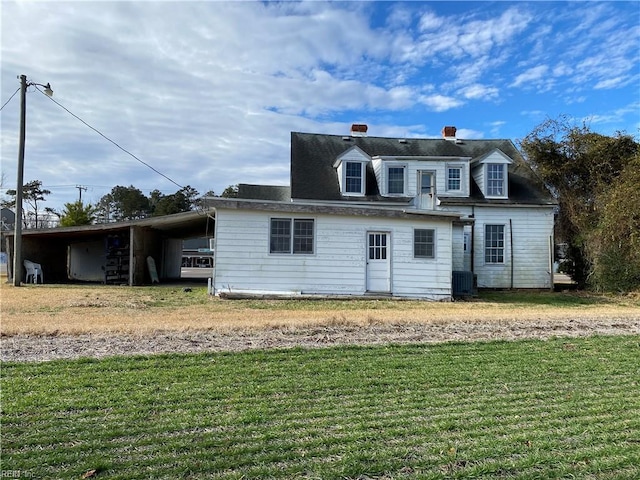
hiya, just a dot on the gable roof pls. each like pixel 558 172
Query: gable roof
pixel 313 175
pixel 499 153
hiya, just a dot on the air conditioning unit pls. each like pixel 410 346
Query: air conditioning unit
pixel 464 284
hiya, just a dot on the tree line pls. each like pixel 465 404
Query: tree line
pixel 120 204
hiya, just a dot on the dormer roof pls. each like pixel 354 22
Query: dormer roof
pixel 496 155
pixel 313 156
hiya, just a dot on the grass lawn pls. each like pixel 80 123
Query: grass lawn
pixel 528 409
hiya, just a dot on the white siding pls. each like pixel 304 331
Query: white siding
pixel 461 259
pixel 338 265
pixel 458 247
pixel 531 230
pixel 477 173
pixel 437 167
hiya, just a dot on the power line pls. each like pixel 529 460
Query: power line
pixel 14 94
pixel 108 139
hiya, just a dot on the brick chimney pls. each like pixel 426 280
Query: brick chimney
pixel 449 133
pixel 359 130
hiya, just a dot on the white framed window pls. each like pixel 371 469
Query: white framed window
pixel 291 236
pixel 396 179
pixel 494 244
pixel 454 178
pixel 424 243
pixel 354 177
pixel 495 180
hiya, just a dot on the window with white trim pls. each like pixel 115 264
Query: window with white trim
pixel 395 180
pixel 494 244
pixel 454 178
pixel 291 236
pixel 424 243
pixel 353 177
pixel 495 180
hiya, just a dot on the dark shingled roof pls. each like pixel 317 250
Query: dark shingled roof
pixel 264 192
pixel 313 176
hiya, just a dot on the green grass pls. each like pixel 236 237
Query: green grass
pixel 554 299
pixel 528 410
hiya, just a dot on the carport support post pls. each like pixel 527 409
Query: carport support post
pixel 17 232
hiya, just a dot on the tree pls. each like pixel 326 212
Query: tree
pixel 32 194
pixel 615 243
pixel 181 201
pixel 76 213
pixel 584 170
pixel 123 203
pixel 230 192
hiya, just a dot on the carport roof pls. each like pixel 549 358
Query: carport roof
pixel 180 225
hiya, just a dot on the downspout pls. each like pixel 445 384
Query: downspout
pixel 473 235
pixel 511 248
pixel 212 280
pixel 132 259
pixel 551 254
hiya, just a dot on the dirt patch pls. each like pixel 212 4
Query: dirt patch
pixel 99 345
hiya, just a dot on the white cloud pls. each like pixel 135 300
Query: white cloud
pixel 469 134
pixel 562 70
pixel 430 21
pixel 479 92
pixel 531 76
pixel 496 127
pixel 615 117
pixel 440 103
pixel 446 38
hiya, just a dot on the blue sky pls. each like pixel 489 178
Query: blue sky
pixel 208 92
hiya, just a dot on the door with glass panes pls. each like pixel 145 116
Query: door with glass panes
pixel 378 262
pixel 426 183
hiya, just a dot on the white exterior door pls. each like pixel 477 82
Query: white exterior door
pixel 426 189
pixel 378 262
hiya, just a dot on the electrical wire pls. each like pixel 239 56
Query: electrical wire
pixel 14 94
pixel 107 138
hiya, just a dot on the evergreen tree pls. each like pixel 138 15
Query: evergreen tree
pixel 76 213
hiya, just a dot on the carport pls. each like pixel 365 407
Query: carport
pixel 86 253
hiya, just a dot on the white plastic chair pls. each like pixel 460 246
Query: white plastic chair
pixel 34 270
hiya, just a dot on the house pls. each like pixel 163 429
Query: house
pixel 392 216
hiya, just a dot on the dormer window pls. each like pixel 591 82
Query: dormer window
pixel 495 179
pixel 396 179
pixel 351 168
pixel 490 172
pixel 354 177
pixel 454 179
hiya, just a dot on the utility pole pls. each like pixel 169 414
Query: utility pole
pixel 17 228
pixel 80 189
